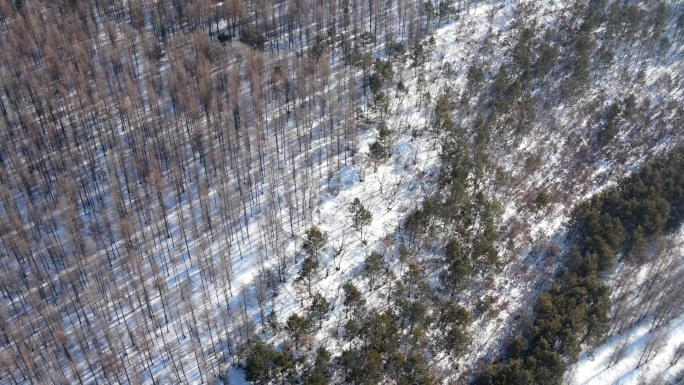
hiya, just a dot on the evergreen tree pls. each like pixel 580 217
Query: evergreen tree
pixel 360 216
pixel 314 242
pixel 319 309
pixel 373 267
pixel 380 333
pixel 272 322
pixel 308 273
pixel 377 153
pixel 416 224
pixel 353 301
pixel 297 327
pixel 458 267
pixel 453 321
pixel 322 359
pixel 351 366
pixel 318 372
pixel 259 363
pixel 284 368
pixel 416 371
pixel 373 368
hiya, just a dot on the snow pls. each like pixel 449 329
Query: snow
pixel 593 369
pixel 347 178
pixel 236 376
pixel 605 364
pixel 396 187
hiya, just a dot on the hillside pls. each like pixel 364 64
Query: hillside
pixel 340 192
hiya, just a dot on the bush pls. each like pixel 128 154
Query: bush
pixel 253 39
pixel 224 37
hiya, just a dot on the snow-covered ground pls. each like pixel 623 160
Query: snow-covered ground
pixel 593 367
pixel 483 31
pixel 643 349
pixel 389 192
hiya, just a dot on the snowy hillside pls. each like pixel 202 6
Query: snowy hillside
pixel 642 349
pixel 340 192
pixel 662 352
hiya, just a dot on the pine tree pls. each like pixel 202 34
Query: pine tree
pixel 322 359
pixel 297 327
pixel 373 267
pixel 272 322
pixel 353 301
pixel 360 216
pixel 259 363
pixel 314 242
pixel 308 273
pixel 452 321
pixel 319 308
pixel 458 266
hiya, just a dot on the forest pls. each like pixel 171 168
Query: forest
pixel 621 220
pixel 346 191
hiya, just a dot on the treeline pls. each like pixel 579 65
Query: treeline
pixel 622 220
